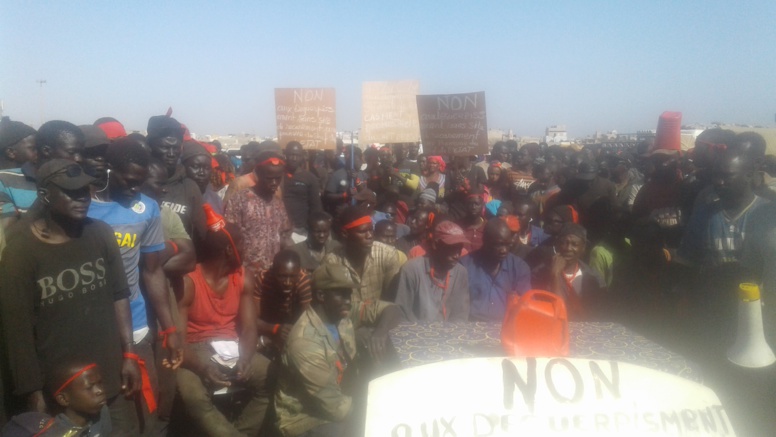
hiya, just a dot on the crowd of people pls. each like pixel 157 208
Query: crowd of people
pixel 142 277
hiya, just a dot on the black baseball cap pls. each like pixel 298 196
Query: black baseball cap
pixel 64 174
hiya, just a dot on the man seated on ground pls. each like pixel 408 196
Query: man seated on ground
pixel 494 273
pixel 553 222
pixel 385 232
pixel 371 264
pixel 434 288
pixel 217 305
pixel 318 243
pixel 282 294
pixel 312 399
pixel 569 277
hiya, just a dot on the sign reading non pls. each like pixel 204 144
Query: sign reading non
pixel 389 112
pixel 540 396
pixel 453 124
pixel 307 115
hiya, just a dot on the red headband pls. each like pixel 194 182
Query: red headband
pixel 273 161
pixel 73 378
pixel 358 222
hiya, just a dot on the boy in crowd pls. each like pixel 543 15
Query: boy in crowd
pixel 17 170
pixel 78 395
pixel 318 243
pixel 435 287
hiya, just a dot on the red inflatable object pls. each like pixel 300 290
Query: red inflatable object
pixel 535 325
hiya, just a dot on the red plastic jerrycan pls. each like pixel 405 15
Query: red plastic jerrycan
pixel 535 325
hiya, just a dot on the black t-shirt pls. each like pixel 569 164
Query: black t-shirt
pixel 57 303
pixel 301 195
pixel 185 199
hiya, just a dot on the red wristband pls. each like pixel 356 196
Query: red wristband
pixel 148 391
pixel 275 329
pixel 164 334
pixel 174 246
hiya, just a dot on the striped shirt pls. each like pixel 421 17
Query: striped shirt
pixel 17 192
pixel 278 305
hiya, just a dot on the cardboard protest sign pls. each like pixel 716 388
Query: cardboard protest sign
pixel 307 115
pixel 453 124
pixel 389 112
pixel 540 396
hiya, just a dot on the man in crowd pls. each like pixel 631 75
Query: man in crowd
pixel 494 273
pixel 464 179
pixel 418 224
pixel 385 232
pixel 59 139
pixel 301 190
pixel 318 243
pixel 136 223
pixel 17 170
pixel 282 294
pixel 434 287
pixel 566 275
pixel 499 153
pixel 64 280
pixel 165 137
pixel 217 306
pixel 260 214
pixel 198 164
pixel 312 399
pixel 473 222
pixel 371 264
pixel 344 182
pixel 95 148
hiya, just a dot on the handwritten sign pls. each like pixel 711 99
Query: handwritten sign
pixel 453 124
pixel 482 397
pixel 389 112
pixel 307 115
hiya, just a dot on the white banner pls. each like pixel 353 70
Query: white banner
pixel 481 397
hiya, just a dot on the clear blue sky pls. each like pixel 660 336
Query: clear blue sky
pixel 592 65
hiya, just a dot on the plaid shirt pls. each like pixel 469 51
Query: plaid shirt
pixel 262 224
pixel 277 306
pixel 382 264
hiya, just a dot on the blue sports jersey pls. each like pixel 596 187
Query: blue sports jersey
pixel 138 229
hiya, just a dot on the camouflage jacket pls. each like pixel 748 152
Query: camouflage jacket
pixel 309 392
